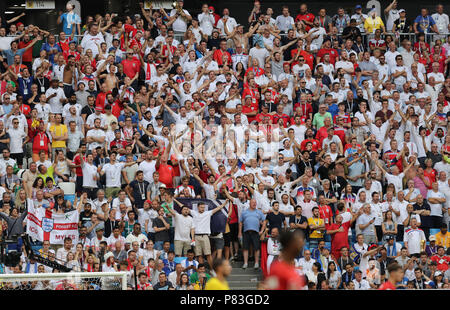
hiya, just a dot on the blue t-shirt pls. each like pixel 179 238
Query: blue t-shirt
pixel 424 23
pixel 25 87
pixel 251 219
pixel 47 47
pixel 68 20
pixel 9 54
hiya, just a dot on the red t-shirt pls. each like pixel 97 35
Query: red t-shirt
pixel 100 101
pixel 442 262
pixel 322 133
pixel 430 174
pixel 28 55
pixel 305 108
pixel 283 276
pixel 261 116
pixel 387 286
pixel 309 17
pixel 331 51
pixel 218 54
pixel 166 174
pixel 249 109
pixel 130 67
pixel 339 239
pixel 326 214
pixel 40 143
pixel 285 117
pixel 25 109
pixel 340 132
pixel 309 59
pixel 315 144
pixel 77 161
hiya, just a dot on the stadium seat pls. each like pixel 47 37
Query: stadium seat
pixel 67 187
pixel 178 260
pixel 434 231
pixel 70 198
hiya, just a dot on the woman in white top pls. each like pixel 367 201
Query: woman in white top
pixel 315 274
pixel 333 275
pixel 72 262
pixel 109 265
pixel 149 252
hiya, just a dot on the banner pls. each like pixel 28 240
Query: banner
pixel 40 5
pixel 218 220
pixel 44 225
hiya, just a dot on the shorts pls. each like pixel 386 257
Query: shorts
pixel 227 239
pixel 18 157
pixel 202 245
pixel 217 243
pixel 234 232
pixel 251 237
pixel 181 247
pixel 112 191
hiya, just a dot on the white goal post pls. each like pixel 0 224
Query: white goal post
pixel 67 280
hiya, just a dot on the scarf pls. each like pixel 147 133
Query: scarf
pixel 148 72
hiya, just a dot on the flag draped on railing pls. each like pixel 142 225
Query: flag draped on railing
pixel 44 225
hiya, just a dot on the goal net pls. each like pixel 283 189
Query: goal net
pixel 64 281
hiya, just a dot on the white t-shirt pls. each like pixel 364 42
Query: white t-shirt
pixel 96 133
pixel 396 180
pixel 89 171
pixel 413 237
pixel 364 261
pixel 436 208
pixel 55 102
pixel 5 43
pixel 90 42
pixel 183 226
pixel 180 23
pixel 148 168
pixel 259 53
pixel 16 140
pixel 202 222
pixel 113 174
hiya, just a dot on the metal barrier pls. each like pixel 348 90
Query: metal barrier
pixel 430 38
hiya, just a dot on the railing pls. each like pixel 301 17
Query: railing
pixel 430 38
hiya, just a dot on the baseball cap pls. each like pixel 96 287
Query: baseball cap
pixel 98 108
pixel 432 238
pixel 163 186
pixel 401 11
pixel 358 7
pixel 117 130
pixel 389 237
pixel 430 283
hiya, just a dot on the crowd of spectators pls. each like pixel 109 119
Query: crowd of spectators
pixel 333 125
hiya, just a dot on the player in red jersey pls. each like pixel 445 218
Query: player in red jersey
pixel 395 275
pixel 283 274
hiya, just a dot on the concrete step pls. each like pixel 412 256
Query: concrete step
pixel 244 279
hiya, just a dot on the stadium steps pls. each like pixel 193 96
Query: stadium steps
pixel 241 279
